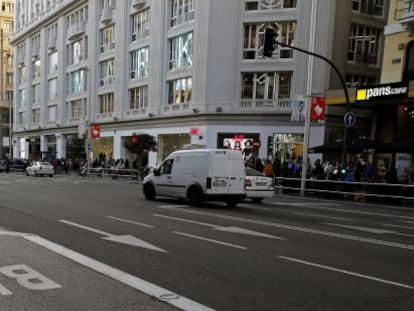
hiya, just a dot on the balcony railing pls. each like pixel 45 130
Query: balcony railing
pixel 76 30
pixel 264 105
pixel 106 15
pixel 138 4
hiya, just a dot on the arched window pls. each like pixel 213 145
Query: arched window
pixel 409 62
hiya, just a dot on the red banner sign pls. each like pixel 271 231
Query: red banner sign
pixel 95 131
pixel 318 108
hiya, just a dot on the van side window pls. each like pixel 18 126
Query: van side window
pixel 166 167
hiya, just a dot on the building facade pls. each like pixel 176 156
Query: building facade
pixel 6 76
pixel 184 71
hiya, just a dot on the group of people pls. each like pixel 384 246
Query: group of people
pixel 360 170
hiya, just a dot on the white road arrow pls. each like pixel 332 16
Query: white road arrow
pixel 123 239
pixel 220 228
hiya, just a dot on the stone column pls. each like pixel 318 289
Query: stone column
pixel 60 146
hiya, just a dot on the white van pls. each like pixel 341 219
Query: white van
pixel 199 175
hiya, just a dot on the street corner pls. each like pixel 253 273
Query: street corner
pixel 33 277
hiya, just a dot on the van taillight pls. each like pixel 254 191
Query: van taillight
pixel 247 182
pixel 208 186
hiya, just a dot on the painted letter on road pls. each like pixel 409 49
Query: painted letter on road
pixel 28 277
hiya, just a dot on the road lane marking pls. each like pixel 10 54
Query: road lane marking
pixel 321 216
pixel 359 228
pixel 209 240
pixel 131 222
pixel 186 220
pixel 397 226
pixel 294 228
pixel 370 230
pixel 132 281
pixel 345 272
pixel 230 229
pixel 123 239
pixel 346 211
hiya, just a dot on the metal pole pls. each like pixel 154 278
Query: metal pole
pixel 308 98
pixel 88 108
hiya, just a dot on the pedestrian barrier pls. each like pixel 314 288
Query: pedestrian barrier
pixel 357 191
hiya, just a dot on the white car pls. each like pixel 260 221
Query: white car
pixel 40 168
pixel 258 186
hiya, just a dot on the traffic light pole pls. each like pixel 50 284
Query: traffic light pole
pixel 348 106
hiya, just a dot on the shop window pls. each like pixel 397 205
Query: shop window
pixel 409 62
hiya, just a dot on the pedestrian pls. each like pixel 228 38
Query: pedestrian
pixel 268 169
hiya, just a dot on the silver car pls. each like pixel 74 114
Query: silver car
pixel 40 168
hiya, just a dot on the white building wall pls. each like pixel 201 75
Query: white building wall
pixel 216 73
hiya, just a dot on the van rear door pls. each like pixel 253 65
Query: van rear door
pixel 227 172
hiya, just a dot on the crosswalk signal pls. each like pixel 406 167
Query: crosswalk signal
pixel 269 42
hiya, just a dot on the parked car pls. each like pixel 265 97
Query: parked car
pixel 40 168
pixel 199 175
pixel 4 166
pixel 119 171
pixel 257 185
pixel 94 171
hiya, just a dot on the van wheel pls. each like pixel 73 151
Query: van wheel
pixel 149 192
pixel 257 200
pixel 232 203
pixel 195 196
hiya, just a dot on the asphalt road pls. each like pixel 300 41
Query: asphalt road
pixel 288 253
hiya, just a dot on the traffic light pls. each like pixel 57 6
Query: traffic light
pixel 269 42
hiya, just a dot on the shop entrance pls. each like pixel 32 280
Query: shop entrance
pixel 168 143
pixel 287 146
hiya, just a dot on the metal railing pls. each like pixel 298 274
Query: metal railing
pixel 357 191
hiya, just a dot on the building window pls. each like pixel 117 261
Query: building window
pixel 9 59
pixel 35 115
pixel 9 79
pixel 22 74
pixel 52 88
pixel 79 16
pixel 364 43
pixel 77 51
pixel 36 68
pixel 107 39
pixel 138 98
pixel 371 7
pixel 77 82
pixel 106 103
pixel 254 5
pixel 140 63
pixel 254 39
pixel 179 91
pixel 53 62
pixel 140 25
pixel 182 11
pixel 75 108
pixel 181 51
pixel 22 118
pixel 22 98
pixel 51 113
pixel 107 4
pixel 107 72
pixel 358 80
pixel 36 94
pixel 266 85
